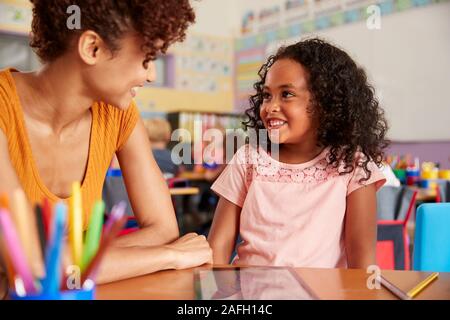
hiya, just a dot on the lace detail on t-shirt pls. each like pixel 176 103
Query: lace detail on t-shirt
pixel 260 166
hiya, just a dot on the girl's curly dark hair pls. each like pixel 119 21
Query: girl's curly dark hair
pixel 349 116
pixel 153 20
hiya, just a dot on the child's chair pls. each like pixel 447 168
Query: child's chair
pixel 443 191
pixel 432 238
pixel 394 208
pixel 114 191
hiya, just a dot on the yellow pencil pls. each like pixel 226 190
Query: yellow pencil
pixel 422 285
pixel 21 222
pixel 76 224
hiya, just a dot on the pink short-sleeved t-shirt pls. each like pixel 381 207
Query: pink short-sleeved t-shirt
pixel 292 214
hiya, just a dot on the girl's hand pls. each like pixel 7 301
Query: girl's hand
pixel 191 250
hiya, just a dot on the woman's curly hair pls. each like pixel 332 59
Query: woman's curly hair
pixel 350 119
pixel 153 20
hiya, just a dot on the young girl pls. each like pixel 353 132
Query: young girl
pixel 315 206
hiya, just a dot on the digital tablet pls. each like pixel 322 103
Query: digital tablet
pixel 251 283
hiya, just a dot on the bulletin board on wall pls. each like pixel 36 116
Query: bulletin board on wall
pixel 200 72
pixel 15 16
pixel 407 61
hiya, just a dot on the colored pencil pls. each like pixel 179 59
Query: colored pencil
pixel 115 223
pixel 94 233
pixel 76 224
pixel 41 229
pixel 422 285
pixel 4 203
pixel 394 289
pixel 25 223
pixel 47 217
pixel 18 258
pixel 53 259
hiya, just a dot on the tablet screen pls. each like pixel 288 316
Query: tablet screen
pixel 251 283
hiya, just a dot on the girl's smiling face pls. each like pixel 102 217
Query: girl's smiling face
pixel 285 110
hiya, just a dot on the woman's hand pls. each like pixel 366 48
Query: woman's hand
pixel 191 250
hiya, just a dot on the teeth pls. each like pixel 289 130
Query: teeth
pixel 275 123
pixel 135 89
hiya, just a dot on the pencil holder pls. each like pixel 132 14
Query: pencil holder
pixel 60 295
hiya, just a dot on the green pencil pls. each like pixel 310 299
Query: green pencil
pixel 93 235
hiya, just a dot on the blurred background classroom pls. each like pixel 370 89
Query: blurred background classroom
pixel 404 46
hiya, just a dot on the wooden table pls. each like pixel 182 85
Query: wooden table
pixel 183 191
pixel 193 176
pixel 333 284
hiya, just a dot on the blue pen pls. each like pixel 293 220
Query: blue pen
pixel 53 258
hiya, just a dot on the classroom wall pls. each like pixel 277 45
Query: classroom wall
pixel 217 17
pixel 202 78
pixel 213 17
pixel 196 75
pixel 15 16
pixel 202 71
pixel 203 64
pixel 406 59
pixel 437 152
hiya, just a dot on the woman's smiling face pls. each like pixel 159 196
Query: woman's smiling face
pixel 286 104
pixel 116 78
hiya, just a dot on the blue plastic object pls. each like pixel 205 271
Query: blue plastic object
pixel 114 173
pixel 432 238
pixel 60 295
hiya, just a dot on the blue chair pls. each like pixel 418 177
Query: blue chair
pixel 432 238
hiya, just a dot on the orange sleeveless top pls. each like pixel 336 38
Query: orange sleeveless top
pixel 110 129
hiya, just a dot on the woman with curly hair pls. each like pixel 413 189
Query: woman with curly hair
pixel 64 122
pixel 314 204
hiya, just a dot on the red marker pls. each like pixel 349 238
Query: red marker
pixel 47 217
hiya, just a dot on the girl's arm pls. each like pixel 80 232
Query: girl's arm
pixel 361 227
pixel 148 193
pixel 224 231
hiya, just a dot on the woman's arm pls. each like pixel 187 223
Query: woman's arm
pixel 120 263
pixel 361 227
pixel 9 182
pixel 148 193
pixel 224 231
pixel 139 256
